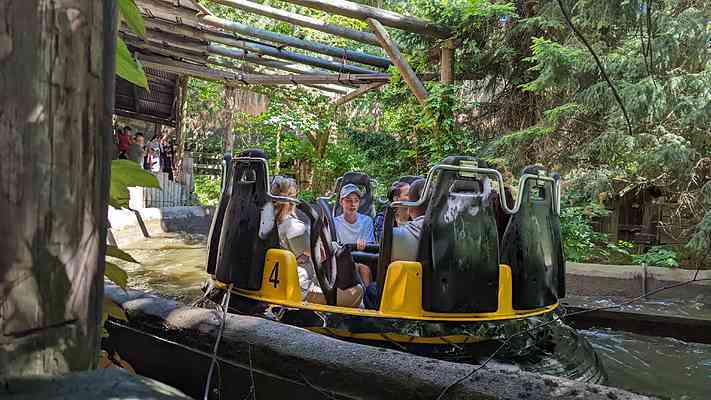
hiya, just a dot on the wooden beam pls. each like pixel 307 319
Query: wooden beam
pixel 232 78
pixel 332 88
pixel 164 48
pixel 156 24
pixel 196 33
pixel 413 82
pixel 301 20
pixel 290 41
pixel 357 93
pixel 446 66
pixel 198 53
pixel 287 55
pixel 388 18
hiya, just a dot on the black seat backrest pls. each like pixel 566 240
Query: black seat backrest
pixel 459 248
pixel 243 247
pixel 386 250
pixel 213 237
pixel 409 179
pixel 361 180
pixel 533 248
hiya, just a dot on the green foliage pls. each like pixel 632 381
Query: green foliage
pixel 580 241
pixel 207 189
pixel 132 15
pixel 533 95
pixel 127 67
pixel 125 174
pixel 658 256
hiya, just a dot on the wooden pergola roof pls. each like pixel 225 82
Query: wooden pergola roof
pixel 184 39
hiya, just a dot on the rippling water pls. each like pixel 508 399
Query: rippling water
pixel 173 266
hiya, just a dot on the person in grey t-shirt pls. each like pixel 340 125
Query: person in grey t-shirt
pixel 353 227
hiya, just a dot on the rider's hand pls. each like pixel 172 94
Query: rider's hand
pixel 360 244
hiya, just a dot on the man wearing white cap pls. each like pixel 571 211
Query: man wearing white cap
pixel 353 227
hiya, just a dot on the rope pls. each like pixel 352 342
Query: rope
pixel 213 361
pixel 599 64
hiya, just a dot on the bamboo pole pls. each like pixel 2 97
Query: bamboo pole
pixel 357 93
pixel 198 57
pixel 301 20
pixel 236 27
pixel 388 18
pixel 413 82
pixel 231 78
pixel 169 32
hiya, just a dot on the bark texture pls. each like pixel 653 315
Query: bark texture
pixel 54 175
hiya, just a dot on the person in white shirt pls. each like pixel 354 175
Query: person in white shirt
pixel 294 236
pixel 353 227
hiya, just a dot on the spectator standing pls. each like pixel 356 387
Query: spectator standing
pixel 167 157
pixel 135 149
pixel 152 160
pixel 124 140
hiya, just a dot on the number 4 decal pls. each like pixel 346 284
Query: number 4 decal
pixel 274 276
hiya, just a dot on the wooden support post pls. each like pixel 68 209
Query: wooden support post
pixel 446 67
pixel 413 82
pixel 57 85
pixel 357 93
pixel 389 18
pixel 301 20
pixel 181 132
pixel 228 137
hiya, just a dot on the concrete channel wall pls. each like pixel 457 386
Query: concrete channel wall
pixel 603 280
pixel 274 359
pixel 128 226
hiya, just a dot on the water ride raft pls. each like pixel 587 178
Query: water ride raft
pixel 487 272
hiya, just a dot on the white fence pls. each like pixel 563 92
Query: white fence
pixel 171 194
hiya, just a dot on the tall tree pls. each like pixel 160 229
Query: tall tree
pixel 56 79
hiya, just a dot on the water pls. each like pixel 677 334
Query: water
pixel 173 266
pixel 699 307
pixel 659 366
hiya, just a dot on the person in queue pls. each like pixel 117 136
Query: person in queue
pixel 353 227
pixel 405 240
pixel 135 150
pixel 398 192
pixel 124 140
pixel 294 236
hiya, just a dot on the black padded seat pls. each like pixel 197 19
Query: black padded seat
pixel 532 246
pixel 242 247
pixel 361 180
pixel 213 236
pixel 409 179
pixel 459 248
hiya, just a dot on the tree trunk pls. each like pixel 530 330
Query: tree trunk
pixel 55 135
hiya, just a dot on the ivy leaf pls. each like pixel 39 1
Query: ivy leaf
pixel 125 174
pixel 114 310
pixel 127 67
pixel 116 275
pixel 132 15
